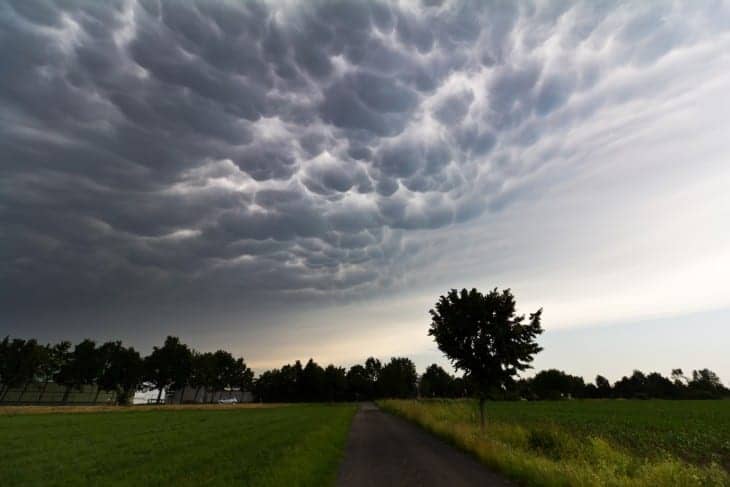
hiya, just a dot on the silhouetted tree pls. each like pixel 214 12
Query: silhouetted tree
pixel 223 372
pixel 603 387
pixel 20 363
pixel 483 336
pixel 202 371
pixel 335 384
pixel 398 378
pixel 265 387
pixel 241 375
pixel 82 367
pixel 122 371
pixel 658 386
pixel 312 384
pixel 359 384
pixel 373 368
pixel 555 384
pixel 631 387
pixel 678 377
pixel 169 365
pixel 436 382
pixel 705 384
pixel 54 357
pixel 292 381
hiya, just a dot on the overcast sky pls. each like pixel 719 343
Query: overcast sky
pixel 296 179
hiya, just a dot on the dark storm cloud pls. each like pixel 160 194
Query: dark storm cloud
pixel 252 147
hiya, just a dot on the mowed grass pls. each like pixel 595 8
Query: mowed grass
pixel 298 445
pixel 593 442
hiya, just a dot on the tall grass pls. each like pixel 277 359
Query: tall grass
pixel 549 455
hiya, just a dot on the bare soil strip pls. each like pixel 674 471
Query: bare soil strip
pixel 13 410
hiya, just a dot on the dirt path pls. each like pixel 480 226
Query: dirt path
pixel 383 450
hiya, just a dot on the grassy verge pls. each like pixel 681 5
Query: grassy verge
pixel 295 445
pixel 576 447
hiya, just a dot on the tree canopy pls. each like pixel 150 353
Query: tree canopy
pixel 483 335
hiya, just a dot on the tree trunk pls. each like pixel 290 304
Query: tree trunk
pixel 159 395
pixel 96 397
pixel 182 394
pixel 22 393
pixel 43 391
pixel 65 394
pixel 481 412
pixel 4 391
pixel 197 391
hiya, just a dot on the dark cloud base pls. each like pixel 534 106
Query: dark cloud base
pixel 155 150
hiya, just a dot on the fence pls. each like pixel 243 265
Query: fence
pixel 49 393
pixel 192 395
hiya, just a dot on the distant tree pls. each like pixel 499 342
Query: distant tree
pixel 359 384
pixel 678 377
pixel 122 371
pixel 436 382
pixel 280 385
pixel 223 369
pixel 82 367
pixel 590 390
pixel 168 366
pixel 705 384
pixel 291 382
pixel 483 336
pixel 312 385
pixel 556 384
pixel 4 365
pixel 520 389
pixel 461 387
pixel 218 371
pixel 265 386
pixel 373 367
pixel 20 363
pixel 658 386
pixel 398 378
pixel 54 358
pixel 631 387
pixel 603 387
pixel 202 372
pixel 335 384
pixel 241 376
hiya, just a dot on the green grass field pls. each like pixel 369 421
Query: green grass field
pixel 289 445
pixel 593 442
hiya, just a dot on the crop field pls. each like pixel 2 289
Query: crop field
pixel 592 442
pixel 287 445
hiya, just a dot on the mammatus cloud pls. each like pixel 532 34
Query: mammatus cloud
pixel 246 149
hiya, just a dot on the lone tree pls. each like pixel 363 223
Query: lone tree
pixel 484 337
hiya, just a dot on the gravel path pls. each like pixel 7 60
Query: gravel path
pixel 383 450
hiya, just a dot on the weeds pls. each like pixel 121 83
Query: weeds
pixel 547 453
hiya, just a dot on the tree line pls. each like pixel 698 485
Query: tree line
pixel 116 368
pixel 113 367
pixel 553 384
pixel 314 383
pixel 481 334
pixel 174 366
